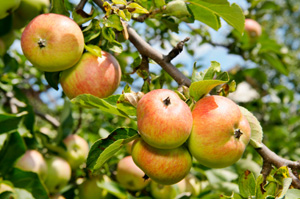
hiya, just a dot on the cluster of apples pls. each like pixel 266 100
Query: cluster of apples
pixel 53 42
pixel 215 133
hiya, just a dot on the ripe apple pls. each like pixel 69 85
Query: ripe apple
pixel 130 176
pixel 33 161
pixel 220 132
pixel 98 76
pixel 89 189
pixel 159 191
pixel 27 10
pixel 164 120
pixel 165 166
pixel 59 174
pixel 252 28
pixel 7 7
pixel 52 42
pixel 77 150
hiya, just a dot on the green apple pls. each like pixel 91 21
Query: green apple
pixel 252 28
pixel 59 174
pixel 130 176
pixel 98 76
pixel 27 10
pixel 164 120
pixel 177 8
pixel 52 42
pixel 76 152
pixel 159 191
pixel 33 161
pixel 220 132
pixel 89 189
pixel 165 166
pixel 7 7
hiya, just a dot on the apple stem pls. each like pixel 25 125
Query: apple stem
pixel 146 177
pixel 42 43
pixel 238 133
pixel 167 101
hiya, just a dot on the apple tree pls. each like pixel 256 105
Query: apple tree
pixel 149 99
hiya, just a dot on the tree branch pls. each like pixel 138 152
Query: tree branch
pixel 53 121
pixel 176 50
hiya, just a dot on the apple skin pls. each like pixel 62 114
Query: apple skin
pixel 214 140
pixel 252 28
pixel 159 191
pixel 57 196
pixel 89 189
pixel 130 176
pixel 77 150
pixel 59 174
pixel 7 7
pixel 33 161
pixel 27 10
pixel 163 125
pixel 98 76
pixel 165 166
pixel 52 42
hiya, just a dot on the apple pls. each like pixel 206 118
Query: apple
pixel 33 161
pixel 57 196
pixel 98 76
pixel 77 150
pixel 252 28
pixel 128 146
pixel 7 7
pixel 164 120
pixel 6 41
pixel 59 174
pixel 220 132
pixel 165 166
pixel 177 8
pixel 130 176
pixel 89 189
pixel 159 191
pixel 52 42
pixel 27 10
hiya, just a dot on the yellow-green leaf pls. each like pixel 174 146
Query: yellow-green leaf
pixel 136 8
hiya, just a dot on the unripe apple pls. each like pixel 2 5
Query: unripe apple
pixel 220 132
pixel 164 120
pixel 177 8
pixel 98 76
pixel 52 42
pixel 130 176
pixel 165 166
pixel 59 174
pixel 159 191
pixel 77 150
pixel 33 161
pixel 90 190
pixel 8 6
pixel 252 28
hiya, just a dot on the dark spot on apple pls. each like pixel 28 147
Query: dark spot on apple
pixel 238 133
pixel 42 43
pixel 167 101
pixel 130 183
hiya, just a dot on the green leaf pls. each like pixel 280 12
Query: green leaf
pixel 136 8
pixel 122 2
pixel 52 79
pixel 108 34
pixel 256 129
pixel 29 181
pixel 209 12
pixel 108 105
pixel 207 74
pixel 246 184
pixel 285 187
pixel 95 50
pixel 58 7
pixel 103 149
pixel 7 195
pixel 92 31
pixel 10 122
pixel 13 148
pixel 80 17
pixel 115 46
pixel 114 188
pixel 292 194
pixel 113 21
pixel 159 3
pixel 274 61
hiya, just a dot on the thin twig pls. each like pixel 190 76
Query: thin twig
pixel 176 50
pixel 51 120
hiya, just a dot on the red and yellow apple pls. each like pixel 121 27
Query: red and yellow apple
pixel 252 28
pixel 130 176
pixel 7 7
pixel 164 120
pixel 98 76
pixel 59 174
pixel 33 161
pixel 165 166
pixel 52 42
pixel 220 132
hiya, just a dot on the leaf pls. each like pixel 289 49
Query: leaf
pixel 274 61
pixel 209 11
pixel 10 122
pixel 256 129
pixel 108 34
pixel 92 31
pixel 13 148
pixel 285 187
pixel 122 2
pixel 66 122
pixel 114 188
pixel 113 21
pixel 159 3
pixel 136 8
pixel 95 50
pixel 246 184
pixel 58 7
pixel 52 79
pixel 80 17
pixel 103 149
pixel 108 105
pixel 7 195
pixel 29 181
pixel 115 46
pixel 292 194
